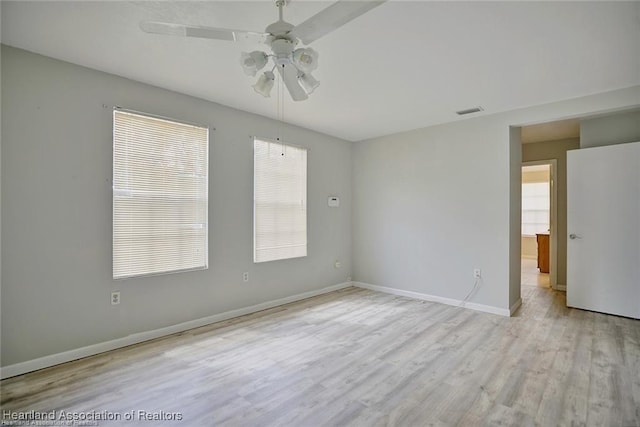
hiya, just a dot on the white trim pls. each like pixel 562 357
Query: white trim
pixel 560 287
pixel 434 298
pixel 90 350
pixel 529 257
pixel 516 305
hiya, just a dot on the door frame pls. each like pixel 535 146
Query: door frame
pixel 553 222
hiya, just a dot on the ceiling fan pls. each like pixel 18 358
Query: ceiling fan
pixel 293 65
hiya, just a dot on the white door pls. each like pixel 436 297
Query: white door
pixel 603 221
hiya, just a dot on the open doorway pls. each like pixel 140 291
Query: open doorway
pixel 541 143
pixel 539 235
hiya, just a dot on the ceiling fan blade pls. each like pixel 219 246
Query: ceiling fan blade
pixel 332 18
pixel 289 75
pixel 201 32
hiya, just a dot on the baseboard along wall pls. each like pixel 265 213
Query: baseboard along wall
pixel 442 300
pixel 91 350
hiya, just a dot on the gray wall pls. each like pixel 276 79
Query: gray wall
pixel 515 214
pixel 556 150
pixel 612 129
pixel 56 212
pixel 432 204
pixel 428 207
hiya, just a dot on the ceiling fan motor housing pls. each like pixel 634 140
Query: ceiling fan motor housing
pixel 279 29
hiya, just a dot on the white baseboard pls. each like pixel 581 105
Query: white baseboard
pixel 91 350
pixel 560 287
pixel 516 305
pixel 433 298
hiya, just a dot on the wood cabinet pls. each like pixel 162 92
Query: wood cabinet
pixel 543 252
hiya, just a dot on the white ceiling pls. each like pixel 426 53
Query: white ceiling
pixel 401 66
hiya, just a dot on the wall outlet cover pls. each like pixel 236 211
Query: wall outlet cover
pixel 115 298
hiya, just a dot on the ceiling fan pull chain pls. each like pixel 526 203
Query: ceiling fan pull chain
pixel 279 111
pixel 282 88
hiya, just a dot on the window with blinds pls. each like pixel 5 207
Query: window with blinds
pixel 160 195
pixel 535 208
pixel 279 201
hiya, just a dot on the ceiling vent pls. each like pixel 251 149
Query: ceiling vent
pixel 469 111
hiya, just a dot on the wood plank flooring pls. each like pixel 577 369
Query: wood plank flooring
pixel 361 358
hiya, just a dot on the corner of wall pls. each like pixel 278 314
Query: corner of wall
pixel 515 212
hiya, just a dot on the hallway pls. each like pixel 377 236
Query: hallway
pixel 531 276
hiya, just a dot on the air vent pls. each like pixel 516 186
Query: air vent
pixel 469 111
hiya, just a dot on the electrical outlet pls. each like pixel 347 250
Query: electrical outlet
pixel 337 264
pixel 477 273
pixel 115 298
pixel 245 276
pixel 348 278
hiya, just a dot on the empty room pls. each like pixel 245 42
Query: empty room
pixel 320 213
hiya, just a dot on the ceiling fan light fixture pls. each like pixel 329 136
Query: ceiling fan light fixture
pixel 293 65
pixel 305 59
pixel 308 82
pixel 253 62
pixel 264 84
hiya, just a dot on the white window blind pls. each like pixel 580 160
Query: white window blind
pixel 279 201
pixel 535 208
pixel 160 195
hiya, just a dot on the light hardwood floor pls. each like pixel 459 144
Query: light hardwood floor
pixel 362 358
pixel 531 275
